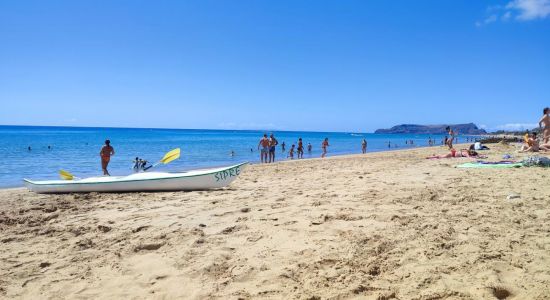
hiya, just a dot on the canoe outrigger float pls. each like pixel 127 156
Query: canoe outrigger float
pixel 140 182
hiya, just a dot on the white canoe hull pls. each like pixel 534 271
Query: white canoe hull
pixel 140 182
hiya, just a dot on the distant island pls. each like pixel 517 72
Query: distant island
pixel 469 128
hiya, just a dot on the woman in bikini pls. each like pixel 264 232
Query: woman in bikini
pixel 457 154
pixel 531 144
pixel 324 145
pixel 106 152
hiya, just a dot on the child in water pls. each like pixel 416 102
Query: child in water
pixel 291 152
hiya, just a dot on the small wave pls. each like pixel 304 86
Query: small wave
pixel 355 134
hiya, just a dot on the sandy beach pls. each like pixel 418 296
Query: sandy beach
pixel 390 225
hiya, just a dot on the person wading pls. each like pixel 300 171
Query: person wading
pixel 106 152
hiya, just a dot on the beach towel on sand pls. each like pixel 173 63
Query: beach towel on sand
pixel 496 165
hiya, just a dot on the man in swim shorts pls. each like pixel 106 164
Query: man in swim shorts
pixel 106 152
pixel 264 150
pixel 272 145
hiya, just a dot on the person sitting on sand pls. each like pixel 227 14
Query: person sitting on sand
pixel 106 152
pixel 291 152
pixel 324 146
pixel 457 154
pixel 531 144
pixel 545 120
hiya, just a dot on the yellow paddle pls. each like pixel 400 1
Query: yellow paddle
pixel 66 175
pixel 168 157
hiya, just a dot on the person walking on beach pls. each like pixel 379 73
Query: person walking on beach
pixel 300 148
pixel 545 120
pixel 272 145
pixel 264 144
pixel 106 152
pixel 324 146
pixel 364 146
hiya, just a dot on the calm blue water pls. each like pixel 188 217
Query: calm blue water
pixel 77 149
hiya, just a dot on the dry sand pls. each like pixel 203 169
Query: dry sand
pixel 379 226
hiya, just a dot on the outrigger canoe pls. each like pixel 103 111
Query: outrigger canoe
pixel 139 182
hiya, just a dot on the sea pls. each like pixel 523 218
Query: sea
pixel 38 153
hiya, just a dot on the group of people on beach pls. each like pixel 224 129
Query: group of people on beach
pixel 268 145
pixel 531 140
pixel 267 148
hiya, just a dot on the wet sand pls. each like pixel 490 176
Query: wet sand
pixel 376 226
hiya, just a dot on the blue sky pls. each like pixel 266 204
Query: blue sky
pixel 288 65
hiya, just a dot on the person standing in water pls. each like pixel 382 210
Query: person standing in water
pixel 264 143
pixel 106 152
pixel 324 146
pixel 364 146
pixel 272 146
pixel 309 147
pixel 545 120
pixel 300 148
pixel 283 145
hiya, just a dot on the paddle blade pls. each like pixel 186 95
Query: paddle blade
pixel 170 156
pixel 65 175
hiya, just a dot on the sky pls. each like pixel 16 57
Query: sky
pixel 279 65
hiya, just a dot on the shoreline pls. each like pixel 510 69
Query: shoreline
pixel 257 162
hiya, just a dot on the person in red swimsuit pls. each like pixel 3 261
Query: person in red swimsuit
pixel 106 152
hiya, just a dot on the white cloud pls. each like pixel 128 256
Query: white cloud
pixel 488 20
pixel 530 9
pixel 516 126
pixel 521 10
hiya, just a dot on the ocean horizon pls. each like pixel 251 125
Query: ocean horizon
pixel 76 149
